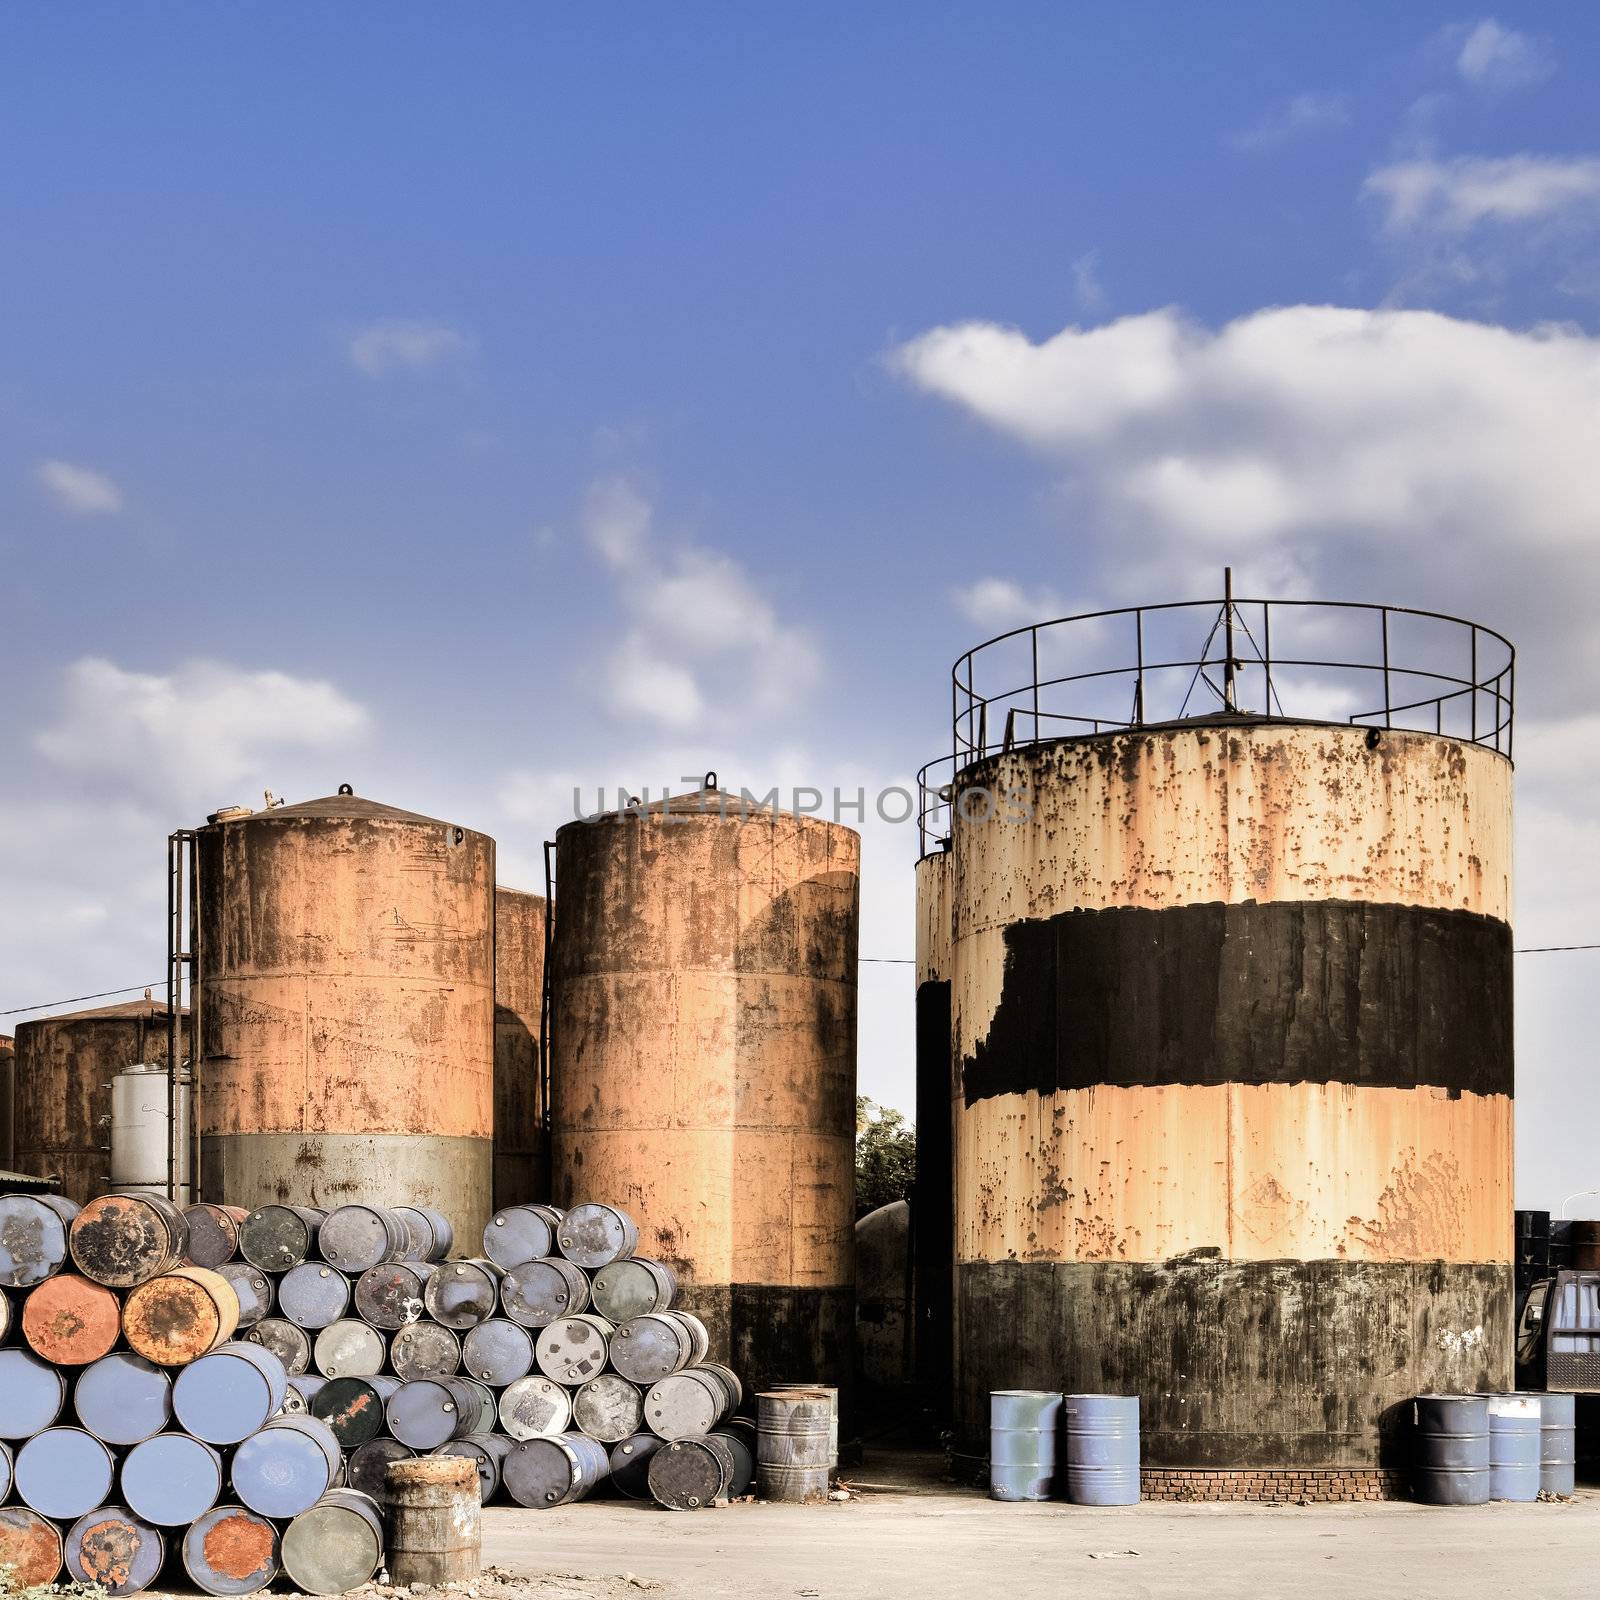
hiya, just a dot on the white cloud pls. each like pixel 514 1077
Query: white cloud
pixel 1301 113
pixel 1087 288
pixel 79 490
pixel 1459 194
pixel 999 603
pixel 616 521
pixel 1495 57
pixel 206 729
pixel 397 345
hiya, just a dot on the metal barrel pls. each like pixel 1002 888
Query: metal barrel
pixel 699 1335
pixel 116 1550
pixel 389 1295
pixel 287 1342
pixel 178 1316
pixel 488 1405
pixel 276 1238
pixel 369 1464
pixel 287 1466
pixel 352 1407
pixel 608 1408
pixel 1558 1441
pixel 335 1545
pixel 229 1394
pixel 535 1407
pixel 744 1462
pixel 425 1350
pixel 429 1412
pixel 1102 1444
pixel 1451 1434
pixel 125 1239
pixel 431 1236
pixel 573 1349
pixel 538 1292
pixel 688 1404
pixel 461 1294
pixel 172 1479
pixel 5 1471
pixel 349 1348
pixel 31 1394
pixel 516 1235
pixel 6 1316
pixel 435 1531
pixel 31 1546
pixel 1022 1443
pixel 64 1472
pixel 231 1551
pixel 253 1290
pixel 632 1287
pixel 213 1234
pixel 295 1402
pixel 356 1237
pixel 1514 1446
pixel 691 1474
pixel 591 1235
pixel 792 1445
pixel 313 1294
pixel 497 1352
pixel 645 1349
pixel 70 1321
pixel 486 1451
pixel 540 1473
pixel 122 1398
pixel 308 1386
pixel 630 1464
pixel 1585 1246
pixel 735 1389
pixel 33 1238
pixel 810 1388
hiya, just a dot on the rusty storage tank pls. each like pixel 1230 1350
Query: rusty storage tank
pixel 8 1078
pixel 346 1008
pixel 521 1132
pixel 883 1304
pixel 64 1070
pixel 703 1038
pixel 1231 1026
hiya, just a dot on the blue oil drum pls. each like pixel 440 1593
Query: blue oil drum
pixel 5 1471
pixel 356 1237
pixel 287 1467
pixel 113 1548
pixel 32 1394
pixel 63 1473
pixel 122 1398
pixel 1514 1446
pixel 1451 1450
pixel 541 1473
pixel 227 1395
pixel 1102 1445
pixel 1022 1443
pixel 313 1294
pixel 33 1237
pixel 432 1237
pixel 497 1352
pixel 429 1412
pixel 254 1289
pixel 172 1479
pixel 231 1551
pixel 517 1235
pixel 1558 1444
pixel 538 1292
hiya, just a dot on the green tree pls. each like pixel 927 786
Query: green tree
pixel 886 1156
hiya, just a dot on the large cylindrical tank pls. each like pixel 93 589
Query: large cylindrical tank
pixel 883 1301
pixel 1233 1082
pixel 521 1137
pixel 64 1069
pixel 704 1062
pixel 346 1000
pixel 144 1154
pixel 933 1198
pixel 8 1078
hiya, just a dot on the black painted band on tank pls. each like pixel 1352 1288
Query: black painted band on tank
pixel 1292 991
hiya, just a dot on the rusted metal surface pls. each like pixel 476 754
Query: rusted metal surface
pixel 703 1069
pixel 180 1316
pixel 1230 1074
pixel 231 1551
pixel 64 1068
pixel 123 1240
pixel 8 1124
pixel 521 1137
pixel 33 1237
pixel 30 1546
pixel 71 1321
pixel 347 995
pixel 435 1533
pixel 213 1234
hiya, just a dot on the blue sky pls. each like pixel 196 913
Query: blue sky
pixel 466 403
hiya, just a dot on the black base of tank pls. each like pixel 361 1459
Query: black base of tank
pixel 777 1333
pixel 1237 1363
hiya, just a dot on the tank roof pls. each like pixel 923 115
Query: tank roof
pixel 691 803
pixel 337 808
pixel 131 1009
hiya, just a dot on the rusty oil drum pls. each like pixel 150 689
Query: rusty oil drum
pixel 289 1344
pixel 573 1349
pixel 125 1239
pixel 116 1550
pixel 389 1296
pixel 123 1399
pixel 179 1316
pixel 691 1474
pixel 276 1238
pixel 497 1352
pixel 213 1234
pixel 33 1238
pixel 435 1533
pixel 608 1408
pixel 70 1321
pixel 31 1546
pixel 353 1408
pixel 486 1451
pixel 231 1551
pixel 425 1350
pixel 792 1445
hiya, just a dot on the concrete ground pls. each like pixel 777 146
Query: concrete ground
pixel 905 1534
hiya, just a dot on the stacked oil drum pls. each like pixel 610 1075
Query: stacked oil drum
pixel 136 1432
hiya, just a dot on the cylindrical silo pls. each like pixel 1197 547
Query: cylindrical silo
pixel 703 1033
pixel 932 1201
pixel 8 1076
pixel 521 1136
pixel 64 1069
pixel 346 1000
pixel 1233 1082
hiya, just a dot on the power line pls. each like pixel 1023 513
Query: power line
pixel 72 1000
pixel 1546 949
